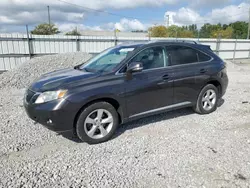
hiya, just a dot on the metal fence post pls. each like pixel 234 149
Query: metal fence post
pixel 218 44
pixel 249 54
pixel 115 41
pixel 2 53
pixel 198 35
pixel 28 40
pixel 149 36
pixel 116 38
pixel 77 44
pixel 235 46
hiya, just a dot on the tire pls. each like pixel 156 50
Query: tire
pixel 201 107
pixel 89 123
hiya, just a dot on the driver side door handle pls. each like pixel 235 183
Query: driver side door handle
pixel 202 71
pixel 165 77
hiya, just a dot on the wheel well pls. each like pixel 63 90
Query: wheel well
pixel 111 101
pixel 216 84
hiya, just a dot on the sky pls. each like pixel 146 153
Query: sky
pixel 125 15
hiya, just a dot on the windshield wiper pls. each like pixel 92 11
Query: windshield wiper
pixel 88 70
pixel 77 67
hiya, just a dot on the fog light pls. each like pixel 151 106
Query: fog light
pixel 49 121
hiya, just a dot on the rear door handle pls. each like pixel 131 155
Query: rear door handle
pixel 165 77
pixel 203 71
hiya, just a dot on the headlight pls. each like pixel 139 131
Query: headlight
pixel 50 95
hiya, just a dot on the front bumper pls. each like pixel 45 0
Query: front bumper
pixel 57 115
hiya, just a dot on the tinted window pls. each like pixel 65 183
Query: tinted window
pixel 182 55
pixel 203 57
pixel 153 57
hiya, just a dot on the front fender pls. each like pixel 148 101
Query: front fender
pixel 81 99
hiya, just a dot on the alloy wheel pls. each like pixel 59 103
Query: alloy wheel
pixel 98 123
pixel 209 99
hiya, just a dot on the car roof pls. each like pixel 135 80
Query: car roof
pixel 136 44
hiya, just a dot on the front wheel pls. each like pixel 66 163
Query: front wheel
pixel 207 100
pixel 97 123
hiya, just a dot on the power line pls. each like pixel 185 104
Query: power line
pixel 201 21
pixel 104 11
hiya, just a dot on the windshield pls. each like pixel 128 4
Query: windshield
pixel 107 60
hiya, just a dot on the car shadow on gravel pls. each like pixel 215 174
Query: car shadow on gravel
pixel 157 118
pixel 137 123
pixel 143 122
pixel 152 119
pixel 221 102
pixel 70 136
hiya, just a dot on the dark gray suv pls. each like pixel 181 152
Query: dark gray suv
pixel 124 83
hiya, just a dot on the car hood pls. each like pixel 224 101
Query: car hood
pixel 60 79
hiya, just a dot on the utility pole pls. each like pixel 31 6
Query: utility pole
pixel 49 17
pixel 167 20
pixel 248 32
pixel 28 40
pixel 198 35
pixel 115 35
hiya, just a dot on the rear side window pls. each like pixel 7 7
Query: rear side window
pixel 203 57
pixel 180 55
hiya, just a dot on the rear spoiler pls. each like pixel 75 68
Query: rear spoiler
pixel 207 47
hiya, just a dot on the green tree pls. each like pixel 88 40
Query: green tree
pixel 139 31
pixel 233 30
pixel 158 31
pixel 174 31
pixel 182 32
pixel 73 32
pixel 45 29
pixel 207 30
pixel 239 29
pixel 223 33
pixel 186 34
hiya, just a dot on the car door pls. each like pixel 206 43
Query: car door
pixel 189 72
pixel 152 88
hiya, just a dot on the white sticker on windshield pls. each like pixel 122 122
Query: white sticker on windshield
pixel 126 50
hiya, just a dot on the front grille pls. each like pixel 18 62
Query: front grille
pixel 29 95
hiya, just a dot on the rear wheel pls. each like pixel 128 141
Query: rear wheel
pixel 207 100
pixel 97 123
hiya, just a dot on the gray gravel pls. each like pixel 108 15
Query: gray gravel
pixel 176 149
pixel 25 74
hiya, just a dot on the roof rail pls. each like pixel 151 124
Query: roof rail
pixel 177 40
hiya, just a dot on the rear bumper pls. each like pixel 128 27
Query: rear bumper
pixel 224 84
pixel 56 115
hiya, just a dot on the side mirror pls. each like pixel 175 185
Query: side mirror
pixel 135 67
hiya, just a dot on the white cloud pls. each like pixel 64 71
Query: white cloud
pixel 95 4
pixel 17 13
pixel 5 19
pixel 123 25
pixel 65 27
pixel 32 12
pixel 128 25
pixel 28 9
pixel 228 14
pixel 184 16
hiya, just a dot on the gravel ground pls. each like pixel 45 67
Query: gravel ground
pixel 175 149
pixel 25 74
